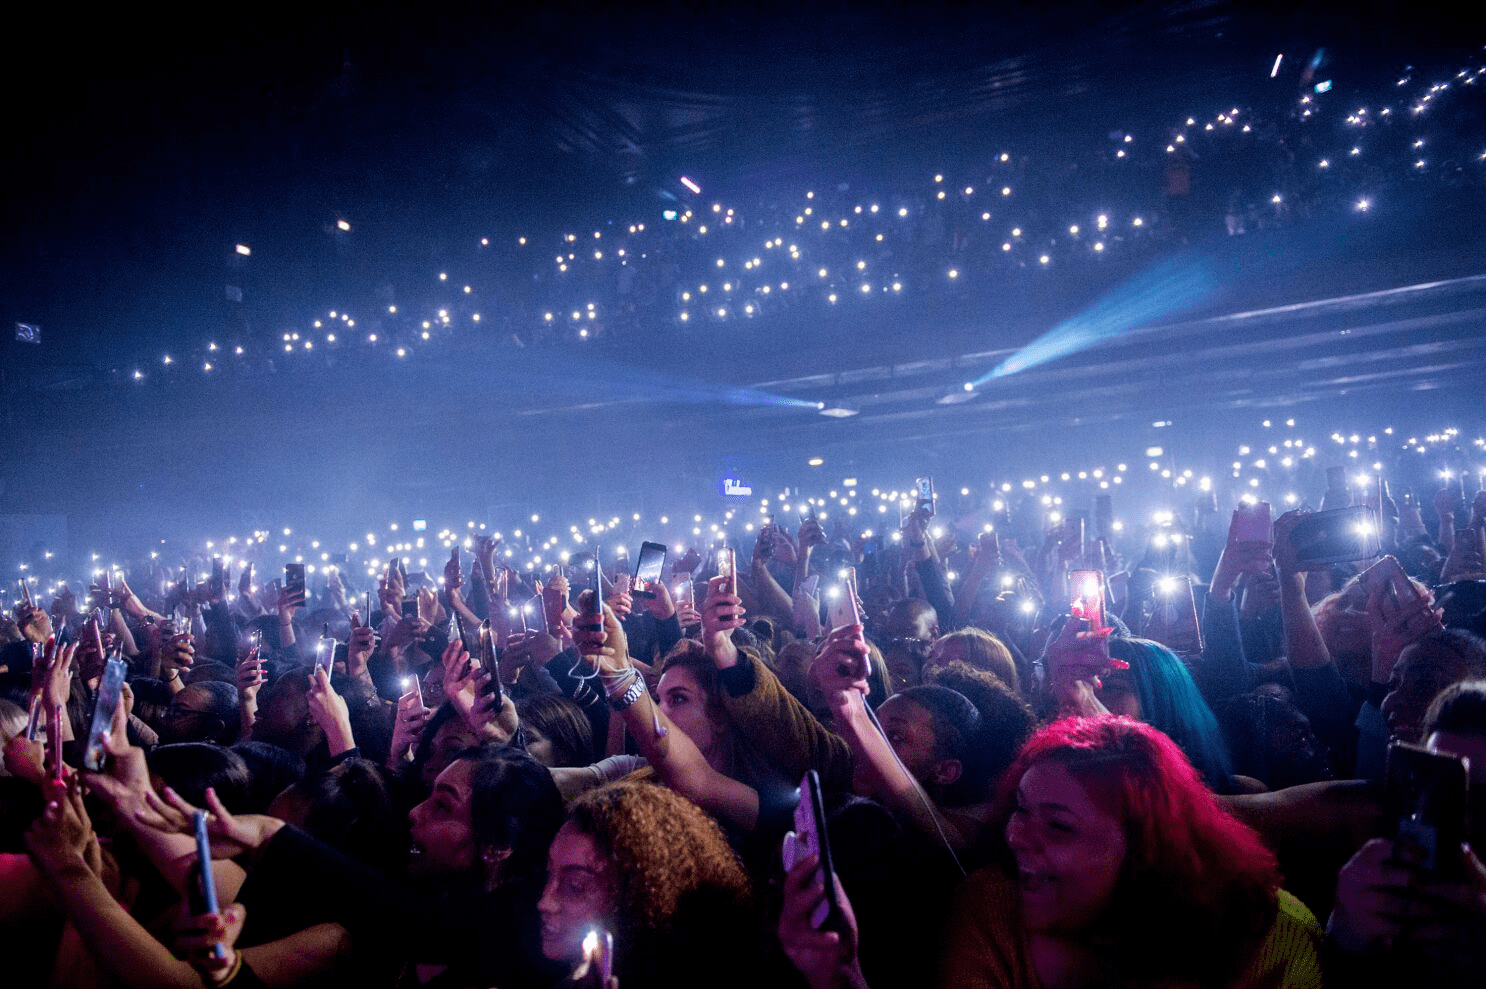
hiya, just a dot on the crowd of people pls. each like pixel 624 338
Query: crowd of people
pixel 942 758
pixel 977 228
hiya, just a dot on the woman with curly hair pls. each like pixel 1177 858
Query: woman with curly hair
pixel 649 866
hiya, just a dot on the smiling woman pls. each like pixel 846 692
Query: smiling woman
pixel 1120 868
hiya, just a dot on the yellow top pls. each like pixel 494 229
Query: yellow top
pixel 987 947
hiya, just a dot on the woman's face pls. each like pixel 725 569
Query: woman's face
pixel 539 746
pixel 577 896
pixel 686 704
pixel 1069 851
pixel 442 832
pixel 910 730
pixel 1422 671
pixel 1117 693
pixel 452 738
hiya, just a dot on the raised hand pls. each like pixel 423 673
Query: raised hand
pixel 662 606
pixel 329 710
pixel 841 667
pixel 453 572
pixel 721 613
pixel 359 648
pixel 207 940
pixel 1074 663
pixel 62 837
pixel 231 834
pixel 827 959
pixel 489 715
pixel 408 723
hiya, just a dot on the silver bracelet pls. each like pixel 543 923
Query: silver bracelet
pixel 631 695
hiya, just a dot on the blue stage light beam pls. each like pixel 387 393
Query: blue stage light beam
pixel 1169 288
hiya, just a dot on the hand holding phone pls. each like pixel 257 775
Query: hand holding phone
pixel 1427 797
pixel 811 838
pixel 1086 592
pixel 110 694
pixel 649 568
pixel 1398 614
pixel 727 569
pixel 1174 621
pixel 842 609
pixel 203 885
pixel 925 500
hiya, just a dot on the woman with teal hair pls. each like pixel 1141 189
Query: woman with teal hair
pixel 1090 674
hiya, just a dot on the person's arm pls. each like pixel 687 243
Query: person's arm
pixel 676 758
pixel 490 715
pixel 289 604
pixel 987 558
pixel 120 628
pixel 1224 670
pixel 879 774
pixel 827 959
pixel 62 845
pixel 662 608
pixel 1304 647
pixel 937 592
pixel 330 712
pixel 1444 505
pixel 810 536
pixel 768 594
pixel 779 729
pixel 777 726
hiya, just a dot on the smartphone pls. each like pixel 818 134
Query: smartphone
pixel 325 651
pixel 487 658
pixel 554 603
pixel 924 498
pixel 842 609
pixel 110 689
pixel 1426 796
pixel 33 719
pixel 26 593
pixel 219 576
pixel 456 627
pixel 727 568
pixel 294 579
pixel 410 607
pixel 686 592
pixel 410 685
pixel 810 838
pixel 598 959
pixel 203 888
pixel 1174 621
pixel 648 569
pixel 1339 535
pixel 1388 576
pixel 764 548
pixel 1252 524
pixel 1086 595
pixel 597 586
pixel 810 584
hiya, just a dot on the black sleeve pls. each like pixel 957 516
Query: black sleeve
pixel 936 592
pixel 588 694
